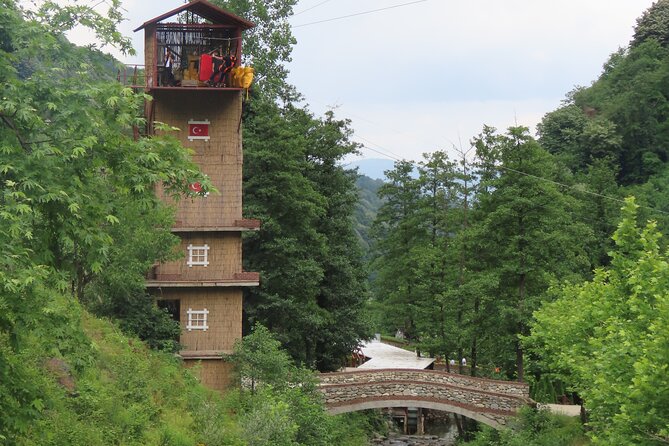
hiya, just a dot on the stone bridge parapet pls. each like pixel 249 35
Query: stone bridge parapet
pixel 489 401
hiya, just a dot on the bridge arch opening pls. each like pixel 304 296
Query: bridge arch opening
pixel 393 402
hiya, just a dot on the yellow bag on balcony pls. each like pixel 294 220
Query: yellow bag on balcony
pixel 247 78
pixel 236 77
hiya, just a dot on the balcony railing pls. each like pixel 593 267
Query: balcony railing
pixel 137 76
pixel 132 76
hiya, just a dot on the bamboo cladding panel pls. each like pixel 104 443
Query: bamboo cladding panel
pixel 224 317
pixel 223 257
pixel 213 210
pixel 220 157
pixel 222 109
pixel 215 374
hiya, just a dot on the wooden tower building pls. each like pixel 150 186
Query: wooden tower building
pixel 189 52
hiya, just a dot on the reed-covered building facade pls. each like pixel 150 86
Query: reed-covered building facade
pixel 192 58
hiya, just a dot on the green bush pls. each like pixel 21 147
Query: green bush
pixel 534 428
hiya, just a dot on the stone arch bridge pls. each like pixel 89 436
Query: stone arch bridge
pixel 489 401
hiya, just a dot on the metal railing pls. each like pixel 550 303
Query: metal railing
pixel 132 75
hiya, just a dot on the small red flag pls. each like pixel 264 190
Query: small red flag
pixel 195 187
pixel 198 130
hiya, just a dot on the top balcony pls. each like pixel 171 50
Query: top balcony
pixel 200 49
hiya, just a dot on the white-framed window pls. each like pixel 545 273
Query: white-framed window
pixel 198 255
pixel 197 319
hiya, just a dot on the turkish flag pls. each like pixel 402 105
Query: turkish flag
pixel 198 130
pixel 195 187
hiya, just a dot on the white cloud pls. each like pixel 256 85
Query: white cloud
pixel 413 129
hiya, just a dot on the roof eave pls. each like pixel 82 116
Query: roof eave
pixel 243 23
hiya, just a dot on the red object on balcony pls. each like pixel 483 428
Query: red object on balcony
pixel 206 67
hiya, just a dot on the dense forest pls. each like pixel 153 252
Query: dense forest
pixel 523 255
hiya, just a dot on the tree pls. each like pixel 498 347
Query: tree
pixel 435 256
pixel 525 231
pixel 608 337
pixel 395 231
pixel 119 292
pixel 628 109
pixel 312 290
pixel 312 286
pixel 579 141
pixel 598 190
pixel 366 210
pixel 622 116
pixel 259 360
pixel 653 204
pixel 343 290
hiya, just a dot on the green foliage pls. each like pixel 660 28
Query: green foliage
pixel 608 338
pixel 313 286
pixel 313 289
pixel 268 422
pixel 526 229
pixel 21 399
pixel 279 403
pixel 106 389
pixel 653 202
pixel 119 290
pixel 69 166
pixel 395 236
pixel 547 390
pixel 71 175
pixel 621 118
pixel 653 24
pixel 577 139
pixel 462 264
pixel 534 428
pixel 258 358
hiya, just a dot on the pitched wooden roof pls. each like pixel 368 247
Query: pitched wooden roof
pixel 205 10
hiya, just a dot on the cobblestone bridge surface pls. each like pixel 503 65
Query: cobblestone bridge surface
pixel 488 401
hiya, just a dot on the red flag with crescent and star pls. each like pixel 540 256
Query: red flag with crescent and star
pixel 198 130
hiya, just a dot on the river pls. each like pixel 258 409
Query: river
pixel 440 430
pixel 414 440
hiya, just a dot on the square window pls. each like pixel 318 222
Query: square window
pixel 197 319
pixel 198 255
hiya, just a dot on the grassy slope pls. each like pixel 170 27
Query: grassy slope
pixel 120 392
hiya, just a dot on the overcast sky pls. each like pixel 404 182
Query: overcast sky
pixel 428 75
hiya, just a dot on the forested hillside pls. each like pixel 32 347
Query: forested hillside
pixel 366 209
